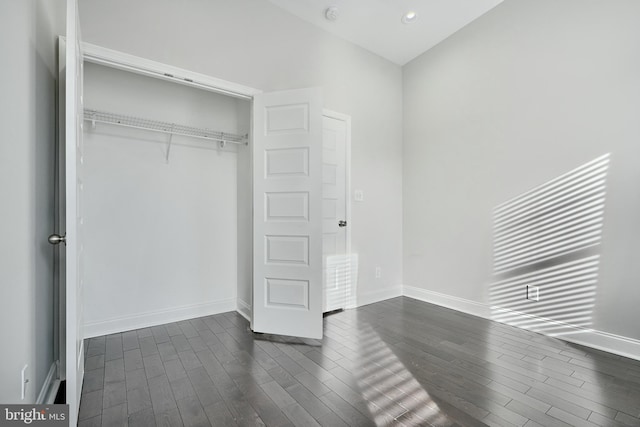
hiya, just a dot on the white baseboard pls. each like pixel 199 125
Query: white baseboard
pixel 377 296
pixel 623 346
pixel 455 303
pixel 244 309
pixel 616 344
pixel 50 387
pixel 158 317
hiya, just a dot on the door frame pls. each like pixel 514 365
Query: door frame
pixel 347 119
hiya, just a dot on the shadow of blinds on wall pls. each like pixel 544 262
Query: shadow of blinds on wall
pixel 546 252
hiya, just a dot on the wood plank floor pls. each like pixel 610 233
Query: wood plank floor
pixel 397 362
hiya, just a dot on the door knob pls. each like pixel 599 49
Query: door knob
pixel 342 223
pixel 56 239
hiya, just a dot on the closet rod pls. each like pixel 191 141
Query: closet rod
pixel 95 116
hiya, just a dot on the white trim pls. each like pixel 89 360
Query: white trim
pixel 158 317
pixel 377 296
pixel 244 309
pixel 605 341
pixel 448 301
pixel 135 64
pixel 623 346
pixel 50 387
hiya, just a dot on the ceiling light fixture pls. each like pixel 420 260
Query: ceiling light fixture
pixel 331 13
pixel 409 17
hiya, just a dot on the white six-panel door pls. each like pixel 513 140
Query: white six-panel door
pixel 287 220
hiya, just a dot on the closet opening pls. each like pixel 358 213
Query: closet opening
pixel 167 201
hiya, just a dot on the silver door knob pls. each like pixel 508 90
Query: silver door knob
pixel 56 239
pixel 342 223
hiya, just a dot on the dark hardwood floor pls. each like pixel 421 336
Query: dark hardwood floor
pixel 397 362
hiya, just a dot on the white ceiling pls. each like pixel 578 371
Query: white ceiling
pixel 376 24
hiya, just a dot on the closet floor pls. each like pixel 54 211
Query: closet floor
pixel 396 362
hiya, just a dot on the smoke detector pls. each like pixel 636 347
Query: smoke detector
pixel 331 13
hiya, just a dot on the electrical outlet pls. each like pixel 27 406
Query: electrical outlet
pixel 378 272
pixel 533 293
pixel 24 376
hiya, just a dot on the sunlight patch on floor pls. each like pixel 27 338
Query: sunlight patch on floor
pixel 392 394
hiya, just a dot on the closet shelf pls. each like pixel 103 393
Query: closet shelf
pixel 95 116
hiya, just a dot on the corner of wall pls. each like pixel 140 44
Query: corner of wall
pixel 377 296
pixel 244 308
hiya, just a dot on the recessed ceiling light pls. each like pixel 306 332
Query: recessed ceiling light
pixel 409 17
pixel 331 13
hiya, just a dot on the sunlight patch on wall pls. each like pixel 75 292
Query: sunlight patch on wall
pixel 546 252
pixel 340 275
pixel 566 295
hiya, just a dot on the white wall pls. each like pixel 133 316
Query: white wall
pixel 27 135
pixel 254 43
pixel 160 238
pixel 529 91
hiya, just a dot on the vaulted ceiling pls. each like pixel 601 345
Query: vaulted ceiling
pixel 377 26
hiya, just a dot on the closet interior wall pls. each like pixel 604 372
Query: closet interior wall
pixel 161 234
